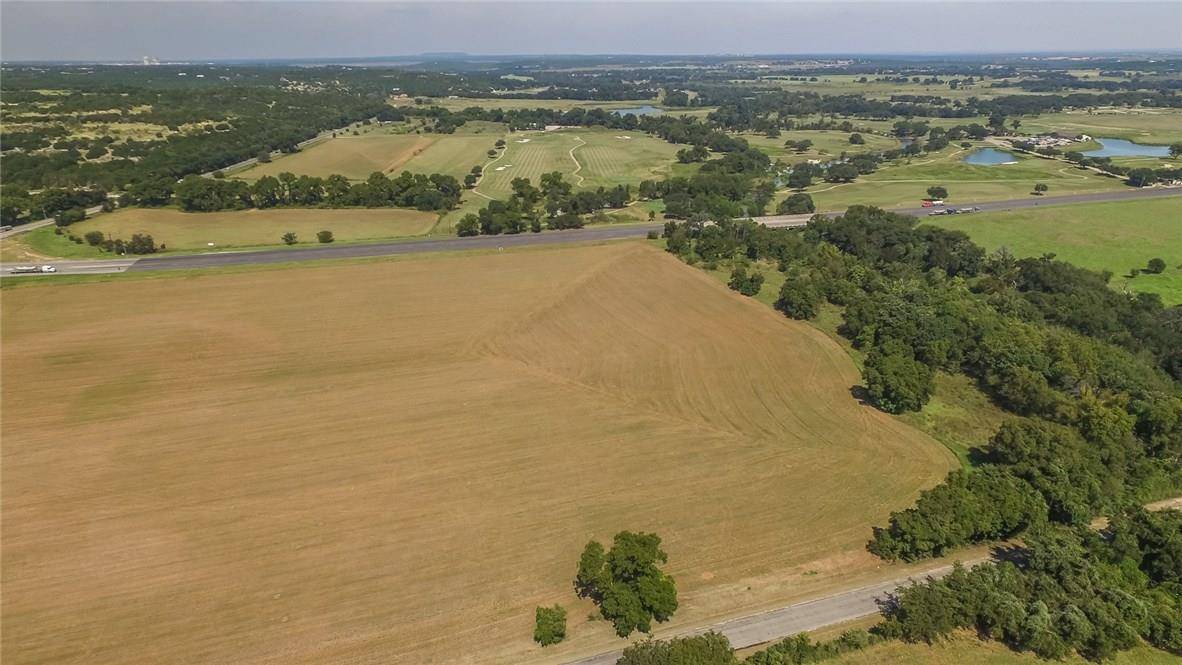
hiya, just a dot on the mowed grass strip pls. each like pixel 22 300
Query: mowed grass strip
pixel 244 228
pixel 354 157
pixel 1115 236
pixel 397 461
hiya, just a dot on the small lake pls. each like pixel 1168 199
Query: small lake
pixel 639 110
pixel 1123 148
pixel 989 157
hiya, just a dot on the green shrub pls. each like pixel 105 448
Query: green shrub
pixel 549 625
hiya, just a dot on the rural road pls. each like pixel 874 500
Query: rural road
pixel 803 617
pixel 451 244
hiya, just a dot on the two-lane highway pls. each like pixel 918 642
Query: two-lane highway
pixel 590 234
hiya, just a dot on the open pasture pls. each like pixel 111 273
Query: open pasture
pixel 461 103
pixel 1113 236
pixel 245 228
pixel 849 84
pixel 354 157
pixel 396 461
pixel 1141 125
pixel 904 184
pixel 587 157
pixel 827 144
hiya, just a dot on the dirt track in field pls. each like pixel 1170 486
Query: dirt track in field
pixel 396 462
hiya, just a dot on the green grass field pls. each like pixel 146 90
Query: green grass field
pixel 827 144
pixel 848 84
pixel 1103 236
pixel 239 228
pixel 588 158
pixel 905 184
pixel 1150 125
pixel 461 103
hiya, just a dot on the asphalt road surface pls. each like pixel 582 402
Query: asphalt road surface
pixel 799 618
pixel 592 234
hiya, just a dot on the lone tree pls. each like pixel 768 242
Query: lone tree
pixel 549 625
pixel 856 139
pixel 324 236
pixel 289 238
pixel 797 204
pixel 1040 188
pixel 625 582
pixel 937 192
pixel 1155 266
pixel 1176 150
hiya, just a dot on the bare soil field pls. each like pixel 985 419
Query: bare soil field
pixel 396 461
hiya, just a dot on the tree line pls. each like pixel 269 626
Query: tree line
pixel 437 192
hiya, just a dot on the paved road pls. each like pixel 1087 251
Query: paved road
pixel 597 233
pixel 799 618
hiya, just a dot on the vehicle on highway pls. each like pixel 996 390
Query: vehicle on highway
pixel 6 227
pixel 32 269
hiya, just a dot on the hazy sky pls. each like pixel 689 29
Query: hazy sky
pixel 215 30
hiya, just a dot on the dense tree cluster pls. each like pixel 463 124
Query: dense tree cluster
pixel 1072 590
pixel 626 582
pixel 554 203
pixel 409 190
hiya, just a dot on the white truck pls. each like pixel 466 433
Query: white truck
pixel 21 270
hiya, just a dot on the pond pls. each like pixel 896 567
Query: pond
pixel 1123 148
pixel 640 110
pixel 989 157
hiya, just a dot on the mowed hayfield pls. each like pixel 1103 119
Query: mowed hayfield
pixel 904 184
pixel 588 157
pixel 396 461
pixel 356 157
pixel 1115 236
pixel 244 228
